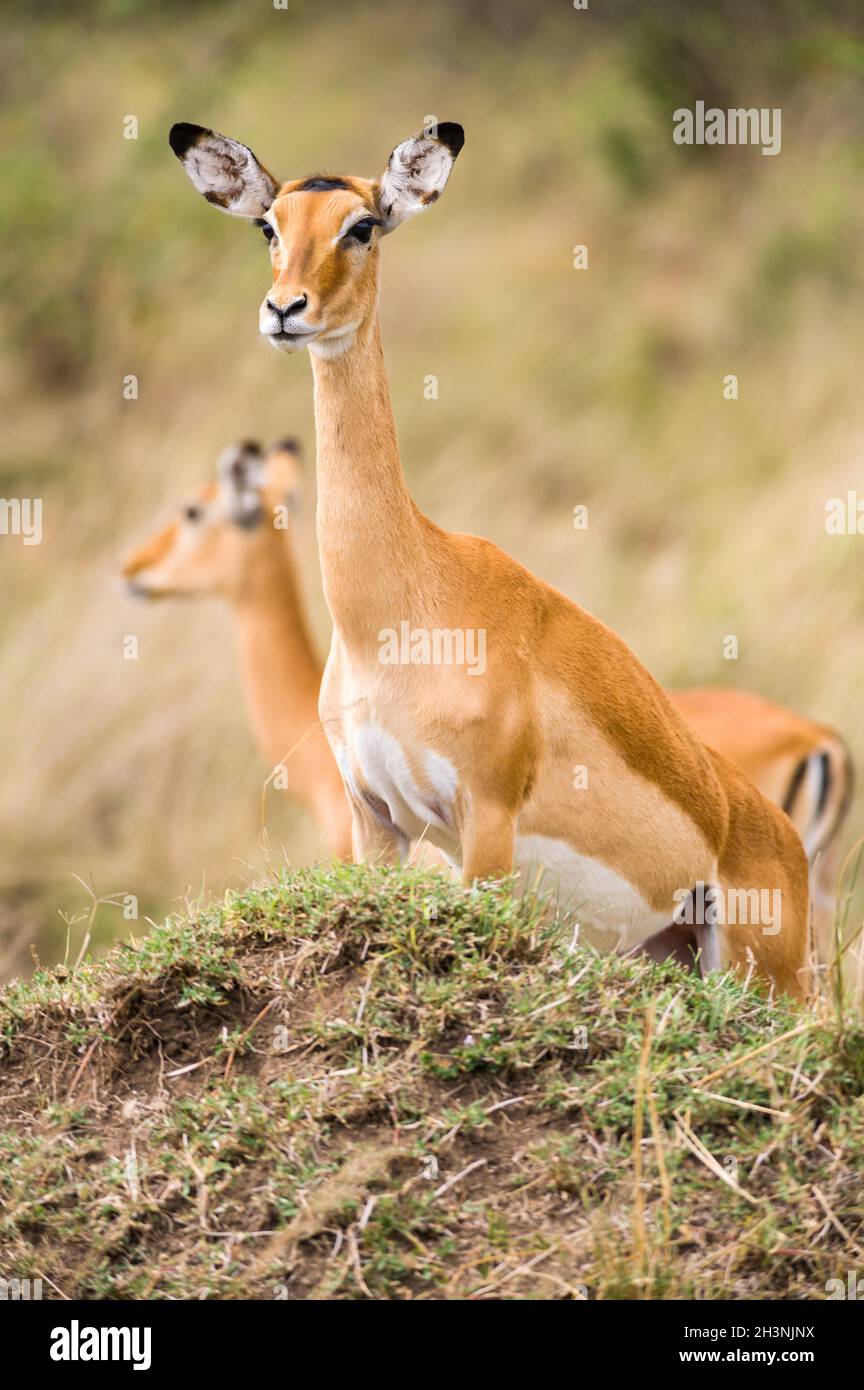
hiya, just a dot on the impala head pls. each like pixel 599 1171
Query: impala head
pixel 223 537
pixel 323 230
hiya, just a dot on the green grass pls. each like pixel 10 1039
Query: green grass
pixel 368 1083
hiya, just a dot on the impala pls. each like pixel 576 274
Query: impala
pixel 803 766
pixel 227 540
pixel 486 763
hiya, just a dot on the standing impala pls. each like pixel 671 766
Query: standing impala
pixel 803 766
pixel 226 541
pixel 464 694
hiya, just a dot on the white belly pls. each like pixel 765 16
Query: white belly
pixel 611 912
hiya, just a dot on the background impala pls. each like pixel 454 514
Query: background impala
pixel 233 540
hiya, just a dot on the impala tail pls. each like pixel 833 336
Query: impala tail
pixel 820 794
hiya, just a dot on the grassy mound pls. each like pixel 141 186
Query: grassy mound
pixel 368 1083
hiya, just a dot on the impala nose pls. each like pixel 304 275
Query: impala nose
pixel 287 311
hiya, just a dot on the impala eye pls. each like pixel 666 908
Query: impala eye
pixel 362 230
pixel 268 231
pixel 193 512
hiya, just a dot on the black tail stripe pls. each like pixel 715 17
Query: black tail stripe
pixel 825 788
pixel 795 786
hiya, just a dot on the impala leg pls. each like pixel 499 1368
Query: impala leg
pixel 708 946
pixel 487 841
pixel 692 943
pixel 778 950
pixel 375 842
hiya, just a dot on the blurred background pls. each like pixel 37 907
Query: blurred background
pixel 556 386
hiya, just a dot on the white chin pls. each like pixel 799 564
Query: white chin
pixel 286 344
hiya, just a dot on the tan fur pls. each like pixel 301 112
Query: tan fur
pixel 560 688
pixel 772 744
pixel 255 570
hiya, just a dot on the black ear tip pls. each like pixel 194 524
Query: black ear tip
pixel 183 135
pixel 287 446
pixel 451 135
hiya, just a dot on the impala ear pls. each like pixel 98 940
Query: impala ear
pixel 240 470
pixel 284 472
pixel 417 172
pixel 226 172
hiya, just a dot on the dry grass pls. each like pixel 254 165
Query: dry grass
pixel 360 1083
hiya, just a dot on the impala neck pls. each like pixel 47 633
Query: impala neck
pixel 282 676
pixel 371 536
